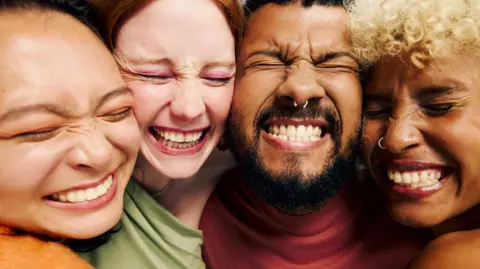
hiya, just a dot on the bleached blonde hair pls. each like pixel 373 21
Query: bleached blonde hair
pixel 424 29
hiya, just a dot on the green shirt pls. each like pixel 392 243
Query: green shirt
pixel 150 237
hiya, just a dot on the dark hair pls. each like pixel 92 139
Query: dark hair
pixel 252 5
pixel 79 9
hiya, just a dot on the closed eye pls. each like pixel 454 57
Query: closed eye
pixel 217 81
pixel 118 116
pixel 36 136
pixel 438 109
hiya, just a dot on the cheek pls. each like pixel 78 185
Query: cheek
pixel 255 87
pixel 149 101
pixel 346 94
pixel 456 141
pixel 36 162
pixel 370 135
pixel 218 101
pixel 124 135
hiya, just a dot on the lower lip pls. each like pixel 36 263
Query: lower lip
pixel 293 145
pixel 178 152
pixel 418 193
pixel 88 205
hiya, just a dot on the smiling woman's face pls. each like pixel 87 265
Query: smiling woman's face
pixel 178 57
pixel 430 123
pixel 67 134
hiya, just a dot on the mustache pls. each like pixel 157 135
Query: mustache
pixel 330 116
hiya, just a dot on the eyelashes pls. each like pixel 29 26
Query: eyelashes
pixel 47 133
pixel 160 79
pixel 432 110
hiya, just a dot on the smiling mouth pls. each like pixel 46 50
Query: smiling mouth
pixel 417 178
pixel 177 139
pixel 296 130
pixel 83 195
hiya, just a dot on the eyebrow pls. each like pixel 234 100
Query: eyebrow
pixel 149 61
pixel 55 109
pixel 227 64
pixel 269 53
pixel 376 98
pixel 424 93
pixel 113 94
pixel 338 54
pixel 170 62
pixel 324 58
pixel 437 91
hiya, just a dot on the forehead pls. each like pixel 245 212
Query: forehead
pixel 176 29
pixel 392 73
pixel 292 25
pixel 51 53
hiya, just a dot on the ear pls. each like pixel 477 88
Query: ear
pixel 223 144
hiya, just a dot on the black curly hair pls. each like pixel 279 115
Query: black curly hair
pixel 79 9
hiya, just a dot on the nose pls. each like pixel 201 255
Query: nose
pixel 188 103
pixel 300 85
pixel 92 151
pixel 401 135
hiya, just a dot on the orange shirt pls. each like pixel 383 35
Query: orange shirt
pixel 27 252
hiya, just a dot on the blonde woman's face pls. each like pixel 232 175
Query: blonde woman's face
pixel 430 123
pixel 178 58
pixel 68 139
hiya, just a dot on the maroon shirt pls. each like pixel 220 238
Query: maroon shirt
pixel 241 231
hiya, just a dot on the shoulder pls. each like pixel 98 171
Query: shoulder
pixel 453 250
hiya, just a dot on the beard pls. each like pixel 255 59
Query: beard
pixel 291 191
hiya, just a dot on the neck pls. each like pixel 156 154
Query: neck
pixel 184 198
pixel 150 179
pixel 466 221
pixel 168 192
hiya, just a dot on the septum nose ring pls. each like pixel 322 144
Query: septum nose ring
pixel 380 143
pixel 304 105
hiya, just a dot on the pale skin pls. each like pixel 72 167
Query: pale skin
pixel 182 82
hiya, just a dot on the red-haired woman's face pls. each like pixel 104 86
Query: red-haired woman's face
pixel 178 57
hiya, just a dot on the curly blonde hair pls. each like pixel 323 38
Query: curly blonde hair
pixel 424 29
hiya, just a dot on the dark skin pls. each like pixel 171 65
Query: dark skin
pixel 292 53
pixel 430 115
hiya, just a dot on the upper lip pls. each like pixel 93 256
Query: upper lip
pixel 85 185
pixel 168 129
pixel 298 121
pixel 413 165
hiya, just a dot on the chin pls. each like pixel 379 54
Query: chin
pixel 181 172
pixel 91 231
pixel 416 218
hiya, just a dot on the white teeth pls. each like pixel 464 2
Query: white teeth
pixel 78 196
pixel 300 133
pixel 180 137
pixel 415 178
pixel 63 198
pixel 186 139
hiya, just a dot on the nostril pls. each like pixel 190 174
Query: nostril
pixel 285 101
